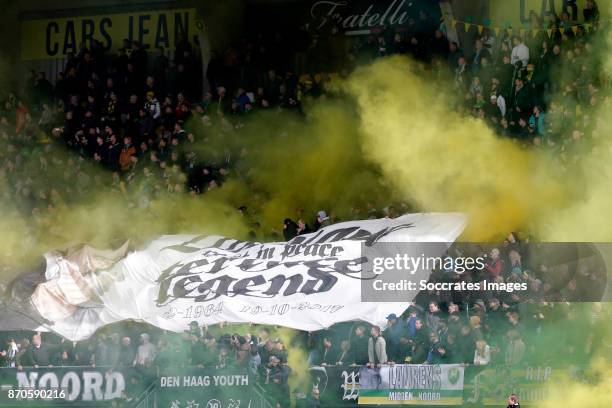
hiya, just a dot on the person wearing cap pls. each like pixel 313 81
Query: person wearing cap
pixel 271 372
pixel 323 219
pixel 393 334
pixel 273 378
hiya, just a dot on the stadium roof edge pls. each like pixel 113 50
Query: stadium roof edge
pixel 97 10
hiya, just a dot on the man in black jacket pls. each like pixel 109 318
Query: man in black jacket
pixel 328 352
pixel 127 352
pixel 522 100
pixel 359 346
pixel 38 354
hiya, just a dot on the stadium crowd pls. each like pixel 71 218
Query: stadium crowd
pixel 141 115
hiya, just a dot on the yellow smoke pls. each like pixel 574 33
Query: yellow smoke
pixel 573 394
pixel 297 358
pixel 105 217
pixel 585 218
pixel 593 389
pixel 294 166
pixel 443 161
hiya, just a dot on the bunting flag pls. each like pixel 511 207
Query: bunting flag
pixel 523 31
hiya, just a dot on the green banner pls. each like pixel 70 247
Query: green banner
pixel 491 385
pixel 204 387
pixel 412 384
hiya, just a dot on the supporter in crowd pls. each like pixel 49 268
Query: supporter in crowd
pixel 515 350
pixel 482 355
pixel 323 220
pixel 127 353
pixel 359 346
pixel 145 353
pixel 520 52
pixel 377 348
pixel 38 354
pixel 273 377
pixel 290 229
pixel 328 355
pixel 420 342
pixel 392 334
pixel 8 355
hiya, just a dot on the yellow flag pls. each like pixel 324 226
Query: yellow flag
pixel 562 29
pixel 549 31
pixel 535 32
pixel 575 29
pixel 467 26
pixel 480 29
pixel 453 23
pixel 497 30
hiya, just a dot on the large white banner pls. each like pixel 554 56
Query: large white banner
pixel 308 283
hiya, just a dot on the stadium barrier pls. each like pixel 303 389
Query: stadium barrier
pixel 339 386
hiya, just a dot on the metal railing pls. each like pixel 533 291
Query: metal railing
pixel 148 399
pixel 259 399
